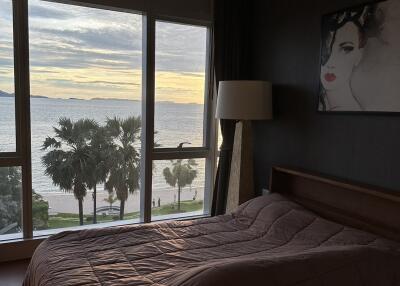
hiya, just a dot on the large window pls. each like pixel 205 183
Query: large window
pixel 178 188
pixel 10 172
pixel 120 126
pixel 180 82
pixel 10 203
pixel 85 113
pixel 179 183
pixel 7 92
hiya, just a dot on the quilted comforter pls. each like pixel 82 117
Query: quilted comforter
pixel 268 241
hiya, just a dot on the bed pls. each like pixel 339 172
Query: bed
pixel 311 230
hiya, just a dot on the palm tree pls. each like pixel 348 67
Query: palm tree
pixel 68 157
pixel 10 198
pixel 124 159
pixel 97 167
pixel 182 174
pixel 111 200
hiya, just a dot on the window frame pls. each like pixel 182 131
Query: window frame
pixel 22 156
pixel 14 157
pixel 207 151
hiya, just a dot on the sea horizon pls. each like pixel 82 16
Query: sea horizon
pixel 4 94
pixel 174 123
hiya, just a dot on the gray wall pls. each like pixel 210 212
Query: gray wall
pixel 285 49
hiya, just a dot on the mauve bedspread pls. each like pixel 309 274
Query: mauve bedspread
pixel 267 241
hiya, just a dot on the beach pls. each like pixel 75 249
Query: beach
pixel 60 202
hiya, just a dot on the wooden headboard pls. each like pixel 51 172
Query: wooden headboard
pixel 369 208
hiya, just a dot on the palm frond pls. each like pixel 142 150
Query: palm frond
pixel 50 143
pixel 182 173
pixel 170 178
pixel 113 126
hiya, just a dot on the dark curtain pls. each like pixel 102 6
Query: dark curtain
pixel 231 35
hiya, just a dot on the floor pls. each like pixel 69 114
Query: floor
pixel 12 273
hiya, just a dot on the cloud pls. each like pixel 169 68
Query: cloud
pixel 104 82
pixel 110 38
pixel 6 10
pixel 180 48
pixel 75 57
pixel 171 86
pixel 7 63
pixel 81 52
pixel 83 38
pixel 38 11
pixel 89 84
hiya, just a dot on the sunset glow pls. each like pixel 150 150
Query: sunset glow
pixel 86 53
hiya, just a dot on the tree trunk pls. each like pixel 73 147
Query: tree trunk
pixel 94 204
pixel 122 210
pixel 80 201
pixel 179 198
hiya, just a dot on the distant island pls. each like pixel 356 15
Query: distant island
pixel 119 99
pixel 4 94
pixel 38 96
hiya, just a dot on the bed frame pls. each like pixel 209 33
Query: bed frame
pixel 372 209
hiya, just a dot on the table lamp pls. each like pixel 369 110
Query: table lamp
pixel 243 101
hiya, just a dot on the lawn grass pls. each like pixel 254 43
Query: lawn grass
pixel 64 220
pixel 186 206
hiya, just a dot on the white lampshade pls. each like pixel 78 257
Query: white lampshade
pixel 244 100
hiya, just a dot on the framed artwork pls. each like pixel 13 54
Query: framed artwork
pixel 360 59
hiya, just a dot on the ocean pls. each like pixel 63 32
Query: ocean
pixel 174 123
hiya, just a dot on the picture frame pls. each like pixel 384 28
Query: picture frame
pixel 359 69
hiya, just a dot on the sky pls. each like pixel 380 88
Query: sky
pixel 80 52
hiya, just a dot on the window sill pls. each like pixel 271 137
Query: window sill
pixel 18 249
pixel 180 217
pixel 49 232
pixel 4 238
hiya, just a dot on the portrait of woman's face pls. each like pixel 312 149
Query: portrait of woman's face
pixel 359 59
pixel 345 55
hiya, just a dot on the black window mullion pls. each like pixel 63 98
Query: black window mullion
pixel 147 116
pixel 22 95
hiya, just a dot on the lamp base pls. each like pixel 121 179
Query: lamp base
pixel 241 184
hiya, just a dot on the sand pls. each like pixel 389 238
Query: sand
pixel 66 203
